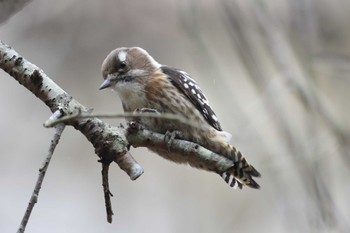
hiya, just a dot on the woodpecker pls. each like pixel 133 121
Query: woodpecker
pixel 143 83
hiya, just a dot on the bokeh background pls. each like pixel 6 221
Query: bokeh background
pixel 275 72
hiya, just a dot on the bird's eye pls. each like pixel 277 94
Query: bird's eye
pixel 122 64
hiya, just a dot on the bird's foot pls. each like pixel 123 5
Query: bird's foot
pixel 170 136
pixel 142 115
pixel 146 110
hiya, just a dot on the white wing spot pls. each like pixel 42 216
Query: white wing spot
pixel 197 87
pixel 186 86
pixel 199 96
pixel 191 84
pixel 214 117
pixel 184 75
pixel 194 91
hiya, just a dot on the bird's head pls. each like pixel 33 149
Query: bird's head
pixel 125 64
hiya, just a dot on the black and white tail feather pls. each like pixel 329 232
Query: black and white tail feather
pixel 231 180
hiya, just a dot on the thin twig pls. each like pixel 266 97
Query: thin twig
pixel 107 192
pixel 42 171
pixel 79 115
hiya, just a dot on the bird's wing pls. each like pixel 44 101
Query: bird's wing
pixel 190 88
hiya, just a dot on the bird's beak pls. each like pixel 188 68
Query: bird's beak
pixel 105 84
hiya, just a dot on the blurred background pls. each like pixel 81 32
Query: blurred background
pixel 275 72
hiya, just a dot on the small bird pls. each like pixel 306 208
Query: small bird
pixel 142 83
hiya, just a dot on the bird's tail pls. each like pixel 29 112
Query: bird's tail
pixel 241 173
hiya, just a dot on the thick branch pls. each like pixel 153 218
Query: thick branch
pixel 144 138
pixel 109 142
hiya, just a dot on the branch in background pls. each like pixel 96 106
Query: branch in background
pixel 296 71
pixel 42 171
pixel 11 7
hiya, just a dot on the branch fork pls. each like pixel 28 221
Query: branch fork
pixel 111 143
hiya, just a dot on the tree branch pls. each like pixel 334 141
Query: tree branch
pixel 42 171
pixel 107 192
pixel 110 143
pixel 139 137
pixel 10 7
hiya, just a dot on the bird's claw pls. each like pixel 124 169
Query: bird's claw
pixel 142 110
pixel 138 115
pixel 169 138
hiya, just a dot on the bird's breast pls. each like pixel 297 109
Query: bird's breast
pixel 132 95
